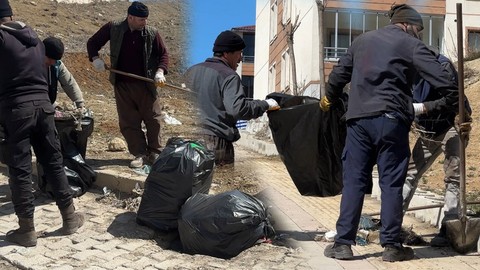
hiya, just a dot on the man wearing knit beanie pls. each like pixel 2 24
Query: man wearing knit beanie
pixel 381 66
pixel 406 14
pixel 135 48
pixel 24 92
pixel 221 97
pixel 58 73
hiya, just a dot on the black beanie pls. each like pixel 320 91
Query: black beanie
pixel 138 9
pixel 405 14
pixel 53 48
pixel 5 9
pixel 228 41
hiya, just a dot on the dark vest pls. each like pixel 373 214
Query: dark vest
pixel 116 37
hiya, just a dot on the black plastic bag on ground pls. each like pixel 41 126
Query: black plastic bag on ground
pixel 183 168
pixel 310 142
pixel 222 225
pixel 80 176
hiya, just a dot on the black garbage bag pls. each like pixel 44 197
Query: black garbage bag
pixel 80 176
pixel 73 131
pixel 223 225
pixel 310 142
pixel 183 168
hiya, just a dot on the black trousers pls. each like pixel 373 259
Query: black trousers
pixel 31 124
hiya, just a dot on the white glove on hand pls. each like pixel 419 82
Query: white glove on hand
pixel 160 78
pixel 99 65
pixel 272 104
pixel 419 108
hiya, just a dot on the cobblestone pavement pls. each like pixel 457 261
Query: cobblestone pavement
pixel 304 219
pixel 111 239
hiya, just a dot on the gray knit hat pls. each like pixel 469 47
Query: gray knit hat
pixel 405 14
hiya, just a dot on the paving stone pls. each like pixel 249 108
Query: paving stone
pixel 87 244
pixel 116 262
pixel 142 263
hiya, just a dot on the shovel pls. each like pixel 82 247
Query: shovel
pixel 145 79
pixel 462 233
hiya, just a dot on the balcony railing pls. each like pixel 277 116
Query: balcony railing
pixel 332 53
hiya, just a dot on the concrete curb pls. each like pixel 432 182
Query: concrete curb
pixel 113 180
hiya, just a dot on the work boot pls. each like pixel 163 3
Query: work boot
pixel 25 235
pixel 137 162
pixel 338 251
pixel 393 253
pixel 71 220
pixel 440 240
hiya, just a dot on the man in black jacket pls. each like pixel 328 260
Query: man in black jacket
pixel 381 66
pixel 26 118
pixel 221 97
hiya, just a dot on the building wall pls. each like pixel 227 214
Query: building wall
pixel 262 45
pixel 422 6
pixel 471 20
pixel 306 37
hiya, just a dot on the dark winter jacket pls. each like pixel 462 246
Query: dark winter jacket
pixel 439 121
pixel 381 66
pixel 22 69
pixel 221 98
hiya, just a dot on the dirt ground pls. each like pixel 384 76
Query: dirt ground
pixel 75 23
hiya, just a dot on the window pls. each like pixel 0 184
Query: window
pixel 271 78
pixel 286 72
pixel 343 26
pixel 273 20
pixel 247 82
pixel 249 50
pixel 287 11
pixel 473 41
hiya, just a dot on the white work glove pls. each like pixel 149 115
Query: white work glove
pixel 272 104
pixel 419 108
pixel 160 78
pixel 99 65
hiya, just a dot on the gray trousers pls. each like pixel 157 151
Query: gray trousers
pixel 424 153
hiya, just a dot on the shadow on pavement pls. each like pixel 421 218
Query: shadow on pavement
pixel 125 225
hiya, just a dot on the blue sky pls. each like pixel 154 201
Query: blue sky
pixel 209 18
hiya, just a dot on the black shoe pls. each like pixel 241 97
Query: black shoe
pixel 338 251
pixel 440 240
pixel 393 253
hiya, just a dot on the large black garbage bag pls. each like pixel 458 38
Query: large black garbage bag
pixel 310 142
pixel 80 176
pixel 183 168
pixel 222 225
